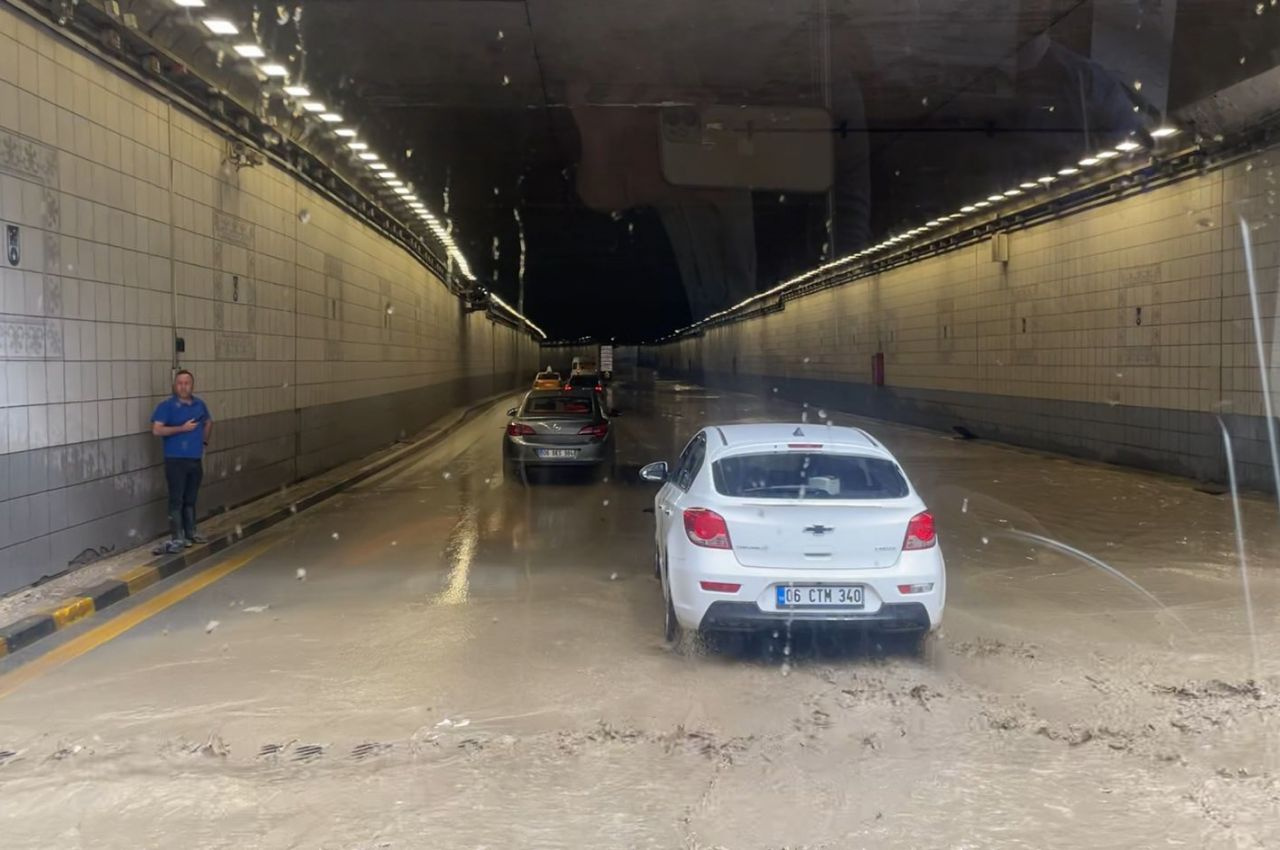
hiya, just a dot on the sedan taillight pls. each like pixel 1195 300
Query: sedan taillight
pixel 920 532
pixel 601 430
pixel 519 429
pixel 707 529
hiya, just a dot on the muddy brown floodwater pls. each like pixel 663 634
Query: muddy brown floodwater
pixel 471 663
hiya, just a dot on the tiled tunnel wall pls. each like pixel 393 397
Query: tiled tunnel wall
pixel 1117 333
pixel 313 338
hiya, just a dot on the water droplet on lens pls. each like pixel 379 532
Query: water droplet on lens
pixel 304 216
pixel 964 506
pixel 822 414
pixel 334 535
pixel 1137 85
pixel 506 81
pixel 613 576
pixel 1241 60
pixel 301 574
pixel 213 624
pixel 782 199
pixel 605 503
pixel 1259 9
pixel 293 509
pixel 447 476
pixel 501 35
pixel 239 530
pixel 806 360
pixel 985 541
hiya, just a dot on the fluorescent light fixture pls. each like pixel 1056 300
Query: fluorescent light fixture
pixel 1106 154
pixel 1164 132
pixel 1068 171
pixel 220 26
pixel 1126 147
pixel 190 4
pixel 250 51
pixel 403 190
pixel 1046 180
pixel 1030 184
pixel 1090 160
pixel 394 184
pixel 368 157
pixel 387 173
pixel 994 198
pixel 314 106
pixel 1013 193
pixel 274 69
pixel 968 209
pixel 380 167
pixel 297 91
pixel 358 146
pixel 933 223
pixel 981 204
pixel 346 132
pixel 331 117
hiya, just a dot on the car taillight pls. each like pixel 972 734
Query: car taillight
pixel 568 387
pixel 516 429
pixel 920 532
pixel 599 388
pixel 600 430
pixel 706 528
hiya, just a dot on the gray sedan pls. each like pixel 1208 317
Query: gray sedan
pixel 557 429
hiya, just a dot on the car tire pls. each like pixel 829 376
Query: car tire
pixel 671 630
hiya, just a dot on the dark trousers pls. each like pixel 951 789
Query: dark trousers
pixel 183 475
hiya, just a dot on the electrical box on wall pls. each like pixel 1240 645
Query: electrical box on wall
pixel 12 245
pixel 1000 248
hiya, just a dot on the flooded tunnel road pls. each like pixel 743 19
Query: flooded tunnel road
pixel 442 658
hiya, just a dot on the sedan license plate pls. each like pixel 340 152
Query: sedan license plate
pixel 821 596
pixel 551 454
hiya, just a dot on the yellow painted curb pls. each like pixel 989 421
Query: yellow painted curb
pixel 68 612
pixel 139 578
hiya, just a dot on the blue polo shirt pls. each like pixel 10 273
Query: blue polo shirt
pixel 173 411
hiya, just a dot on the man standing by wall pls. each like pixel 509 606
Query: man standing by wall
pixel 184 423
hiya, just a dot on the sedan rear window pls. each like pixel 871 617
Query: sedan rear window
pixel 581 381
pixel 557 405
pixel 806 475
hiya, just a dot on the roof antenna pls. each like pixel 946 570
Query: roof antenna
pixel 797 433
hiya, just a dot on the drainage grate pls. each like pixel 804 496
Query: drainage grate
pixel 369 749
pixel 307 752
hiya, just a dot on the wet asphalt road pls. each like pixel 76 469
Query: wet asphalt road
pixel 469 662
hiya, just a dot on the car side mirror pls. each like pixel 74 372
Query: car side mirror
pixel 513 411
pixel 655 472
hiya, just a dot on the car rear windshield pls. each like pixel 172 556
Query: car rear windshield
pixel 557 405
pixel 806 475
pixel 583 381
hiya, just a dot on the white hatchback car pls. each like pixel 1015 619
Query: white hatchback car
pixel 761 525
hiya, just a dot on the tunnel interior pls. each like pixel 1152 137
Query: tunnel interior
pixel 561 423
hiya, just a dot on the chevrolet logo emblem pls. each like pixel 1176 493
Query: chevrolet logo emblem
pixel 818 529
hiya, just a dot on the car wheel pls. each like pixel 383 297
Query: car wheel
pixel 670 625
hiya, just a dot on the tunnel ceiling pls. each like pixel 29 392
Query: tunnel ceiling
pixel 535 124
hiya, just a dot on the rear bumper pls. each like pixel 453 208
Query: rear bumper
pixel 526 454
pixel 748 616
